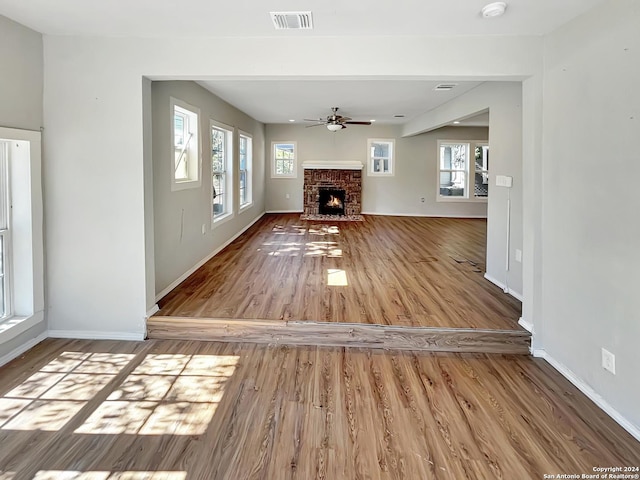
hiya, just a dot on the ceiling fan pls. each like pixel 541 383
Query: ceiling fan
pixel 334 122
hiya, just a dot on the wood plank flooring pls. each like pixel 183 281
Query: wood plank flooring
pixel 383 337
pixel 207 411
pixel 400 271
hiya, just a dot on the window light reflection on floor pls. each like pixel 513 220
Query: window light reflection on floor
pixel 49 398
pixel 164 395
pixel 102 475
pixel 337 278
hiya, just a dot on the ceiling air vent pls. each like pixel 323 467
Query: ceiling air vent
pixel 444 87
pixel 292 20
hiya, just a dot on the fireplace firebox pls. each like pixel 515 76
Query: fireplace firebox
pixel 331 201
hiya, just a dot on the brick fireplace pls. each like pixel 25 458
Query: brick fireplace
pixel 334 176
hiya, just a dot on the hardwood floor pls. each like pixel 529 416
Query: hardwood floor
pixel 383 337
pixel 400 271
pixel 207 411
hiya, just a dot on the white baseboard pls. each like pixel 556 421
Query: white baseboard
pixel 634 430
pixel 526 325
pixel 510 291
pixel 16 352
pixel 284 211
pixel 95 335
pixel 422 215
pixel 186 274
pixel 153 310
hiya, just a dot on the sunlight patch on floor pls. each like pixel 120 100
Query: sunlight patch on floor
pixel 94 475
pixel 323 249
pixel 337 278
pixel 165 395
pixel 49 398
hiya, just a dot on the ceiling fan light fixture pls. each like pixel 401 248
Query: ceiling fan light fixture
pixel 495 9
pixel 334 127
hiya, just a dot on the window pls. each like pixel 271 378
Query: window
pixel 481 187
pixel 186 145
pixel 5 234
pixel 221 170
pixel 246 158
pixel 284 159
pixel 380 154
pixel 456 171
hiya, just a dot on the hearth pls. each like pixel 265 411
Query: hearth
pixel 331 201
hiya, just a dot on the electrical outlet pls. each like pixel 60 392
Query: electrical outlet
pixel 422 199
pixel 518 255
pixel 608 361
pixel 286 195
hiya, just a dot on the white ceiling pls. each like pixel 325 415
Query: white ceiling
pixel 272 101
pixel 250 18
pixel 278 101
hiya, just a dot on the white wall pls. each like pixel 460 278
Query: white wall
pixel 179 243
pixel 415 171
pixel 22 76
pixel 504 101
pixel 93 113
pixel 591 165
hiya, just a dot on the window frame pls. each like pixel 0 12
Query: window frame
pixel 248 170
pixel 483 171
pixel 469 171
pixel 274 173
pixel 193 152
pixel 391 158
pixel 6 307
pixel 227 172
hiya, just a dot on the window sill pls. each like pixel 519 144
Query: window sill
pixel 220 220
pixel 185 185
pixel 378 174
pixel 461 200
pixel 246 207
pixel 285 177
pixel 14 326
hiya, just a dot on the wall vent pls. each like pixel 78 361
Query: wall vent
pixel 292 20
pixel 443 87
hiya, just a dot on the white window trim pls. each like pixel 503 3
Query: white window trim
pixel 295 159
pixel 27 232
pixel 195 178
pixel 249 187
pixel 230 167
pixel 7 260
pixel 392 157
pixel 471 144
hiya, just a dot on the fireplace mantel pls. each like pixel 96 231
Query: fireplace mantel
pixel 332 165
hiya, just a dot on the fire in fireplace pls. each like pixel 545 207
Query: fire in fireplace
pixel 331 202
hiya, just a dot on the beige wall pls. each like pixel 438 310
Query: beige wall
pixel 21 84
pixel 414 174
pixel 179 215
pixel 590 275
pixel 22 76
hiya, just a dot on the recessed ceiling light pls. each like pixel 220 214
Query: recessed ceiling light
pixel 292 120
pixel 372 120
pixel 494 9
pixel 456 122
pixel 399 115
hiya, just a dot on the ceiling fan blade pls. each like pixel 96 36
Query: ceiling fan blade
pixel 314 119
pixel 314 125
pixel 358 123
pixel 344 119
